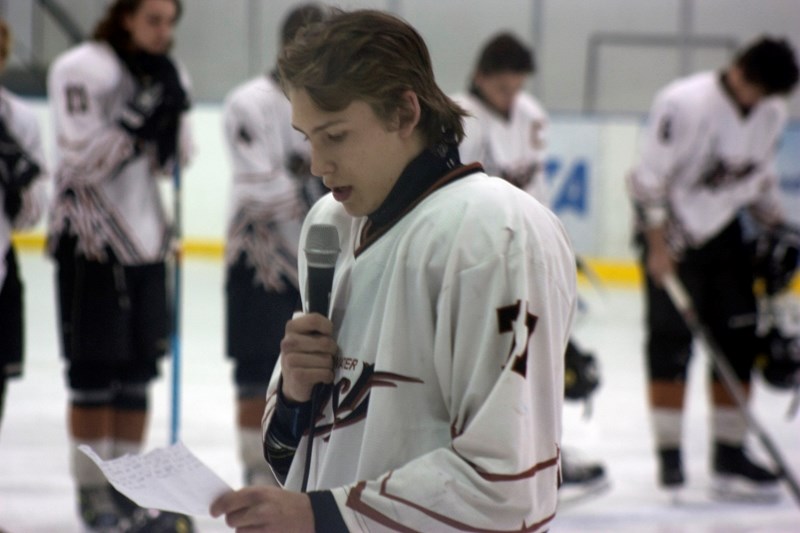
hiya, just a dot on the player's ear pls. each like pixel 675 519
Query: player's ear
pixel 408 113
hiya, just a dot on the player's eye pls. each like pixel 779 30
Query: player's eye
pixel 336 137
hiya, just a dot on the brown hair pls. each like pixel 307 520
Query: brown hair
pixel 111 27
pixel 505 53
pixel 5 42
pixel 298 18
pixel 374 57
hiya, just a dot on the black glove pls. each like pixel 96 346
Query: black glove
pixel 142 116
pixel 151 69
pixel 581 374
pixel 17 171
pixel 154 113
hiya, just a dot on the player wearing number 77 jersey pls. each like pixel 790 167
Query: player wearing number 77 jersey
pixel 452 302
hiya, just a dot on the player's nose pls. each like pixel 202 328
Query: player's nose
pixel 320 165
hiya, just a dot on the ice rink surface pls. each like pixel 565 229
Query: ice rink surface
pixel 36 493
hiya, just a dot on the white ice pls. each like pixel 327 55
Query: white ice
pixel 36 491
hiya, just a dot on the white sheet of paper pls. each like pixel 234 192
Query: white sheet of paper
pixel 169 479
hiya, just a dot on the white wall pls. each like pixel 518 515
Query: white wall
pixel 226 41
pixel 589 159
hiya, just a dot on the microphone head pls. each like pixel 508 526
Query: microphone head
pixel 322 246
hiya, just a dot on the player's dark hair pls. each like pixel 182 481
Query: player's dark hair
pixel 5 42
pixel 771 64
pixel 374 57
pixel 299 18
pixel 111 27
pixel 505 53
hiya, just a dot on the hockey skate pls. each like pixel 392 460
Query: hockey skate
pixel 98 511
pixel 737 478
pixel 135 519
pixel 670 474
pixel 581 479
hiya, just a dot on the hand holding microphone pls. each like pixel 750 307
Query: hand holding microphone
pixel 308 347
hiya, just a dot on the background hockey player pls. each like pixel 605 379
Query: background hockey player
pixel 270 163
pixel 707 153
pixel 22 201
pixel 448 283
pixel 118 102
pixel 507 133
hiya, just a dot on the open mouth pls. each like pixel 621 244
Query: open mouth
pixel 341 194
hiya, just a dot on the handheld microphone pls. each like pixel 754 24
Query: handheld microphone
pixel 322 250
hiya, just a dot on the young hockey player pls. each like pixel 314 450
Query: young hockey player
pixel 451 306
pixel 118 104
pixel 707 154
pixel 507 133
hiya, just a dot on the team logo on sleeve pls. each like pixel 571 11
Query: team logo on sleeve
pixel 243 136
pixel 537 135
pixel 76 98
pixel 665 130
pixel 509 319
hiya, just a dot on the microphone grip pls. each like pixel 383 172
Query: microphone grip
pixel 319 283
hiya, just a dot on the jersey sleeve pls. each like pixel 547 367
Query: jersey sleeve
pixel 667 137
pixel 501 331
pixel 768 207
pixel 253 137
pixel 92 147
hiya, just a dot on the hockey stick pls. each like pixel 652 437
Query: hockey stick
pixel 683 303
pixel 591 275
pixel 176 305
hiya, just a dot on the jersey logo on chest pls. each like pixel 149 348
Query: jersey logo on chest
pixel 350 400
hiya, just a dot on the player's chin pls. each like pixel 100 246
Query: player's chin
pixel 157 48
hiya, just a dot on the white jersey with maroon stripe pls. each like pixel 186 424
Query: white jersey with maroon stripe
pixel 449 383
pixel 512 147
pixel 702 160
pixel 266 209
pixel 22 124
pixel 105 193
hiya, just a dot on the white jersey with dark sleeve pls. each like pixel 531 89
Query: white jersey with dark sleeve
pixel 266 211
pixel 512 147
pixel 105 193
pixel 448 386
pixel 22 124
pixel 702 160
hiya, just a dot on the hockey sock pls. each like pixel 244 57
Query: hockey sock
pixel 728 425
pixel 251 452
pixel 125 447
pixel 667 427
pixel 84 471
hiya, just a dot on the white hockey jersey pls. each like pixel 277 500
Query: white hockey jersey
pixel 512 147
pixel 104 193
pixel 702 160
pixel 23 125
pixel 451 326
pixel 266 211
